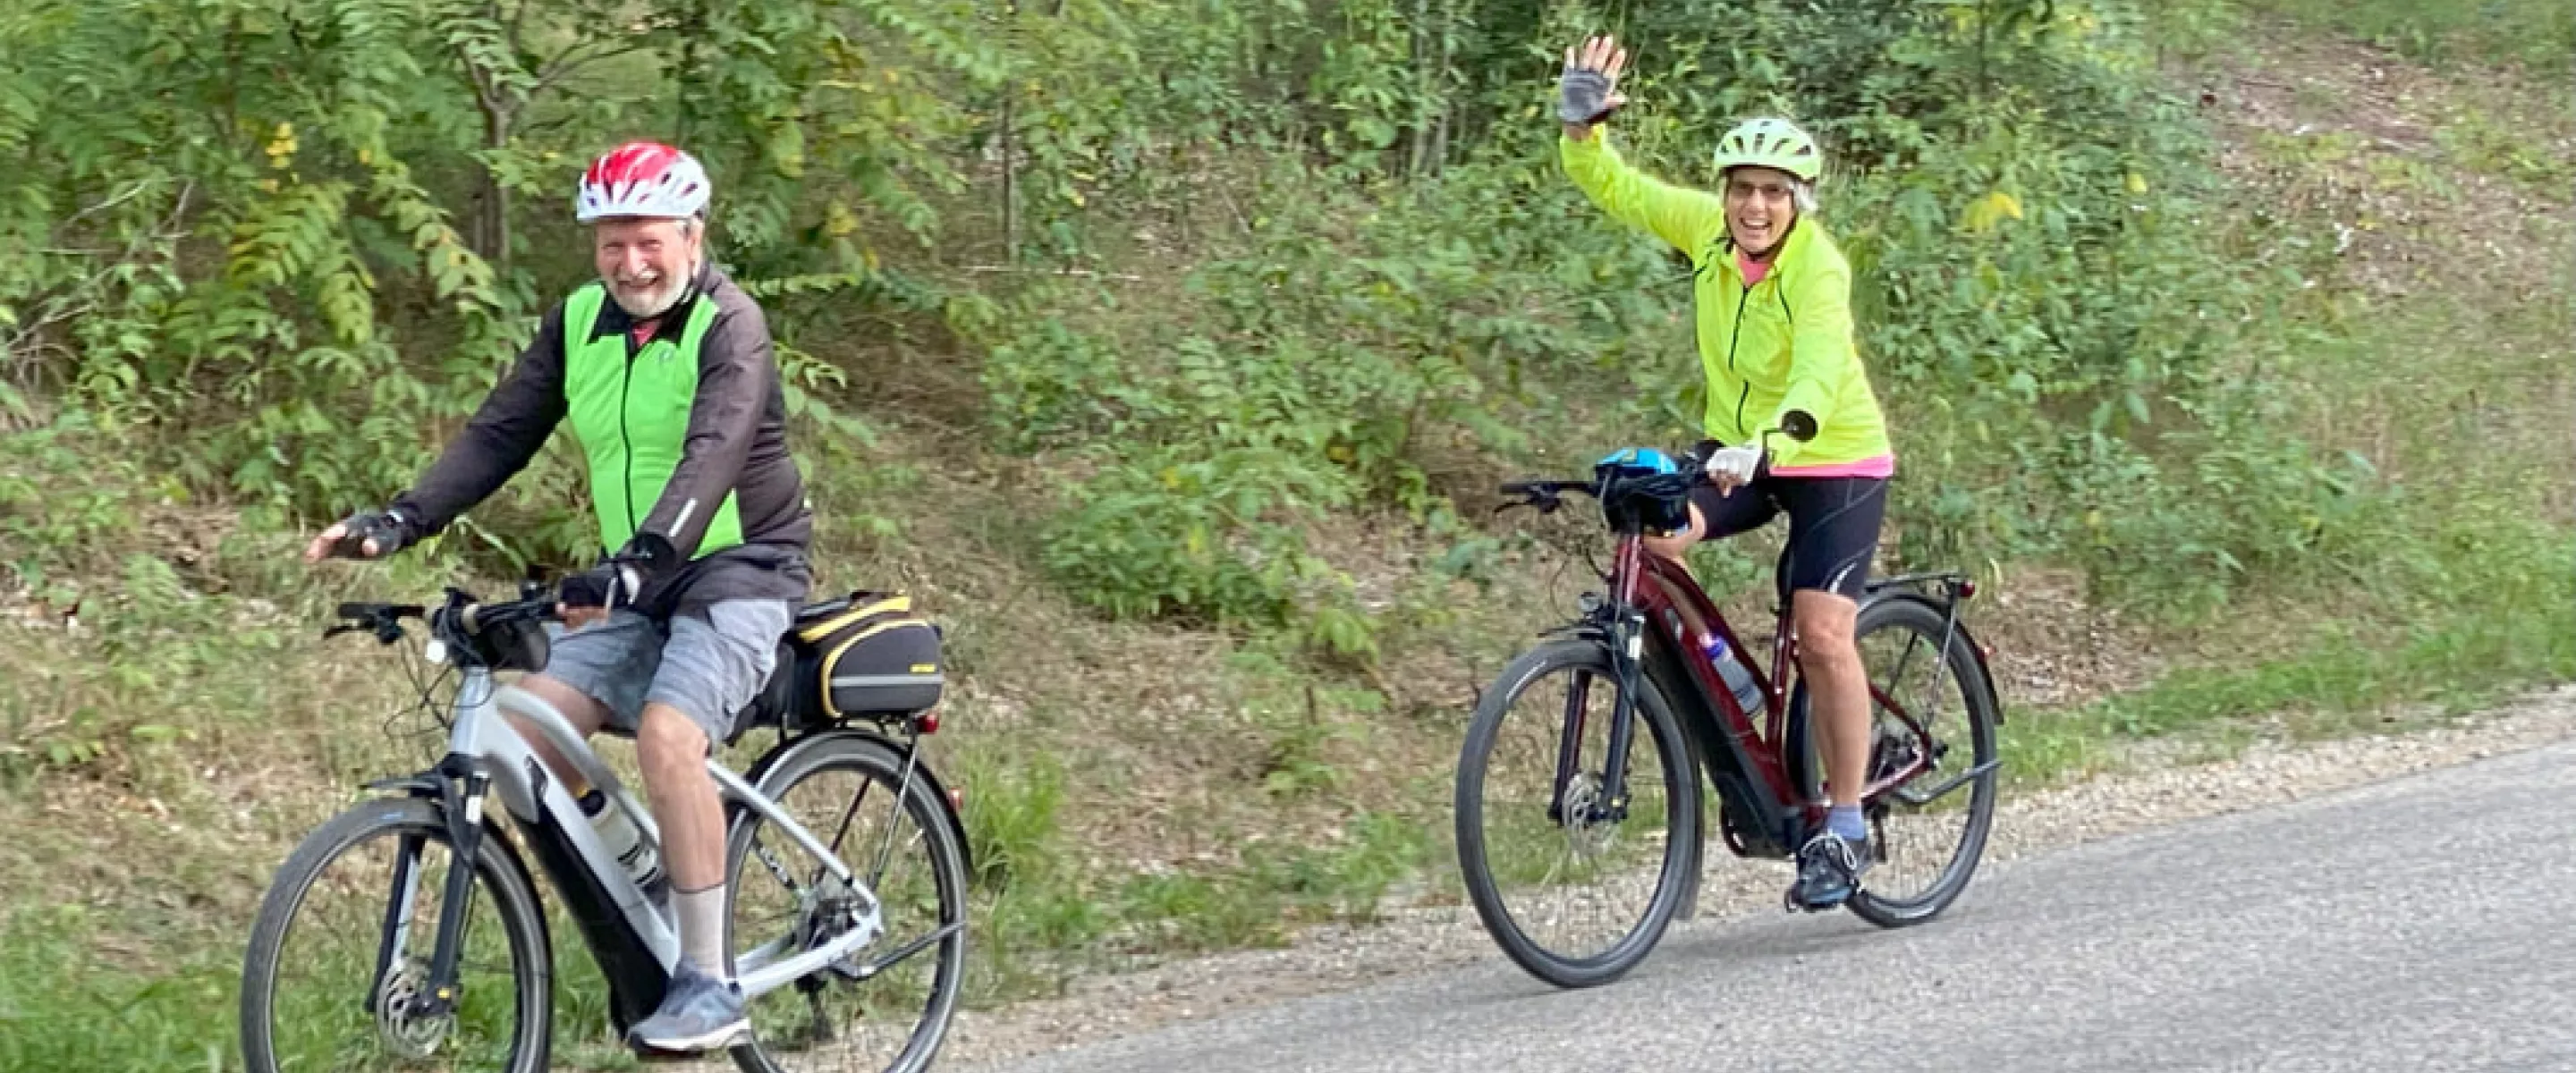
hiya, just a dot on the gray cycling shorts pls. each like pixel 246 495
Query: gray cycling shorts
pixel 707 667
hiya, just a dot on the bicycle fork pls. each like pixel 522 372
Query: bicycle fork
pixel 1626 642
pixel 463 789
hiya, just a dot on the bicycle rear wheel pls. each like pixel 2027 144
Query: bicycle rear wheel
pixel 319 991
pixel 1526 869
pixel 1927 833
pixel 887 1005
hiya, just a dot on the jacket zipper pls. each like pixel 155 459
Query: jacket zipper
pixel 1732 338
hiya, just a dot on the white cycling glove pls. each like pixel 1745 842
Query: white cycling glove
pixel 1736 462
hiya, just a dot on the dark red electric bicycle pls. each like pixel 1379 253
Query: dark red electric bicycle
pixel 1559 796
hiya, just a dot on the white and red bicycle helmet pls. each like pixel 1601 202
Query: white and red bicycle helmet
pixel 643 179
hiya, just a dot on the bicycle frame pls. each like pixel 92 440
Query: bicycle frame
pixel 635 943
pixel 1648 624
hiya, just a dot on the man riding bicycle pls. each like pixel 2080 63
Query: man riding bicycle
pixel 664 367
pixel 1775 339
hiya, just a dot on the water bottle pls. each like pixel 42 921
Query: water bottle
pixel 626 841
pixel 1748 693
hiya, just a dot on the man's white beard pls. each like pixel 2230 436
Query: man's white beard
pixel 656 301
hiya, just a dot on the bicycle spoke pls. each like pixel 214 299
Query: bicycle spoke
pixel 843 830
pixel 1565 881
pixel 1926 835
pixel 873 1005
pixel 336 998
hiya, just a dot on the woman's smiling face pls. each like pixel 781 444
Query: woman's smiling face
pixel 1761 203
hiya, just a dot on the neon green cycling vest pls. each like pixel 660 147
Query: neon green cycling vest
pixel 632 416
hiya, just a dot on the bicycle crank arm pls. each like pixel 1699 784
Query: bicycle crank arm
pixel 1943 790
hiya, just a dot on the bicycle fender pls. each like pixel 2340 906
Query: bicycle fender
pixel 1977 651
pixel 509 848
pixel 424 784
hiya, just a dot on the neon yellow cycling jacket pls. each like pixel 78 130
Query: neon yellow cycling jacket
pixel 1781 345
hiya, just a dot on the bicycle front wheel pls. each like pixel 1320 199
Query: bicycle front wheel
pixel 887 1005
pixel 1548 856
pixel 337 974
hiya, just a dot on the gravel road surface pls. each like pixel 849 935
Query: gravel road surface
pixel 2367 903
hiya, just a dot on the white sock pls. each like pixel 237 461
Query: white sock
pixel 702 929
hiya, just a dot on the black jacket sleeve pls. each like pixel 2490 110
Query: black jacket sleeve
pixel 504 434
pixel 736 373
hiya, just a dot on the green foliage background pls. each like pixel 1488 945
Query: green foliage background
pixel 286 243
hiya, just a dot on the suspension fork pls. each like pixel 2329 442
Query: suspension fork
pixel 462 788
pixel 1627 636
pixel 396 928
pixel 1569 744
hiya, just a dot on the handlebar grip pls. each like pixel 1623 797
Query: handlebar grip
pixel 371 612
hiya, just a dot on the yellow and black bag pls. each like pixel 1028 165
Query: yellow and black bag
pixel 866 657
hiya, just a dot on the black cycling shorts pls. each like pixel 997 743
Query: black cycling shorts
pixel 1833 526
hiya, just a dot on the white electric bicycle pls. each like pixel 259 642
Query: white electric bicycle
pixel 406 933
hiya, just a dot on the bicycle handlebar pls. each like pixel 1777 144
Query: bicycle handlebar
pixel 467 615
pixel 1543 495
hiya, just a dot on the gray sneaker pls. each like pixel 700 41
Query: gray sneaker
pixel 1829 871
pixel 699 1013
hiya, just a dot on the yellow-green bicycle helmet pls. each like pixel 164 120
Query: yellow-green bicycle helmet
pixel 1771 143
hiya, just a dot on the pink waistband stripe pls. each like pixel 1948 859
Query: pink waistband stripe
pixel 1881 466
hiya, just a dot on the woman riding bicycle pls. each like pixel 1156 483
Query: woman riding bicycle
pixel 1775 340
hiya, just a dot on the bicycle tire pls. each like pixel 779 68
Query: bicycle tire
pixel 881 763
pixel 1924 620
pixel 1681 794
pixel 500 877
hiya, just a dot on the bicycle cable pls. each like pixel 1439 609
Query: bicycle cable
pixel 424 696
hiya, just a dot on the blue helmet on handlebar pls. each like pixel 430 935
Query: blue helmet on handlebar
pixel 1636 462
pixel 1662 506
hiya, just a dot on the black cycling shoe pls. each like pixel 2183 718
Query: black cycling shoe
pixel 1829 870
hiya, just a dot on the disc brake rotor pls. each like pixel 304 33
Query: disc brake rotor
pixel 1587 832
pixel 407 1033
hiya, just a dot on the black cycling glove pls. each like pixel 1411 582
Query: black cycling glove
pixel 389 528
pixel 608 586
